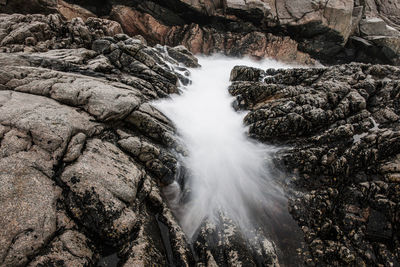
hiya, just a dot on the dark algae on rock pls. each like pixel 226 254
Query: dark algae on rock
pixel 341 127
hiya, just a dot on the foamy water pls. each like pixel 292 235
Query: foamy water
pixel 227 171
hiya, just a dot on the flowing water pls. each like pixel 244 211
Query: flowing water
pixel 226 170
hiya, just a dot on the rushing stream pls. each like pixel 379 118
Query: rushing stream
pixel 227 171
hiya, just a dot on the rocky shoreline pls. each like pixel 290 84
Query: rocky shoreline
pixel 84 157
pixel 83 152
pixel 342 126
pixel 299 31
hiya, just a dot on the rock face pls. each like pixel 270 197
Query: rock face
pixel 379 30
pixel 39 33
pixel 330 31
pixel 83 154
pixel 71 11
pixel 67 184
pixel 333 31
pixel 341 125
pixel 208 40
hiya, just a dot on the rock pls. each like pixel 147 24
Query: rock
pixel 134 23
pixel 208 40
pixel 161 164
pixel 287 30
pixel 376 27
pixel 377 227
pixel 75 115
pixel 388 10
pixel 74 149
pixel 70 11
pixel 29 7
pixel 340 124
pixel 50 32
pixel 82 118
pixel 385 38
pixel 100 196
pixel 333 15
pixel 243 73
pixel 232 248
pixel 181 54
pixel 255 44
pixel 60 111
pixel 255 11
pixel 51 128
pixel 390 47
pixel 28 209
pixel 14 141
pixel 71 248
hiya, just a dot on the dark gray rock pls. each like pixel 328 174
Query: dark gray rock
pixel 341 125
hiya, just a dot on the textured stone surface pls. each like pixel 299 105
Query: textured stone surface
pixel 28 208
pixel 70 11
pixel 207 40
pixel 341 125
pixel 67 186
pixel 83 155
pixel 280 29
pixel 40 32
pixel 103 185
pixel 69 249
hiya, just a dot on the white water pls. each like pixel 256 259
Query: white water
pixel 227 170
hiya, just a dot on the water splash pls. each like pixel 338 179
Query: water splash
pixel 227 171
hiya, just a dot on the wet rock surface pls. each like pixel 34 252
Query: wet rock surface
pixel 341 128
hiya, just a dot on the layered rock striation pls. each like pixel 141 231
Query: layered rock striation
pixel 294 31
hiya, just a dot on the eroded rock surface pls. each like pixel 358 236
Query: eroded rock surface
pixel 341 125
pixel 69 190
pixel 40 32
pixel 209 40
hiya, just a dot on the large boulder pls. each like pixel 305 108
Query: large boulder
pixel 313 16
pixel 103 185
pixel 387 38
